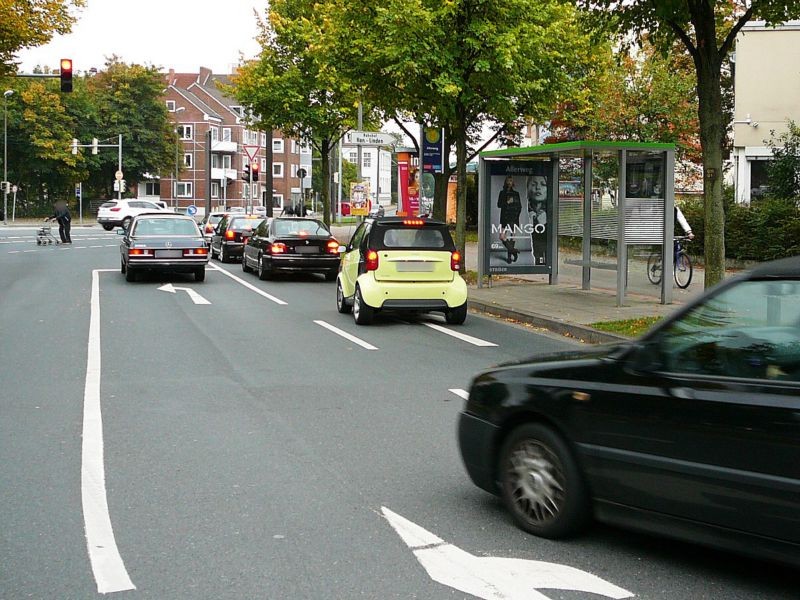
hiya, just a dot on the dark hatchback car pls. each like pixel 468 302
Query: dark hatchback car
pixel 166 242
pixel 231 234
pixel 691 432
pixel 292 245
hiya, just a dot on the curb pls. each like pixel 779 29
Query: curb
pixel 581 332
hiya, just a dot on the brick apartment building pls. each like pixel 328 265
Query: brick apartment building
pixel 197 105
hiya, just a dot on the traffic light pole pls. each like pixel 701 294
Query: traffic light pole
pixel 119 168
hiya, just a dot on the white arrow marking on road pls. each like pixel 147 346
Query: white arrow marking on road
pixel 461 336
pixel 249 286
pixel 460 393
pixel 196 298
pixel 490 577
pixel 346 335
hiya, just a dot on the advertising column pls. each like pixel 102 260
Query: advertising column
pixel 432 150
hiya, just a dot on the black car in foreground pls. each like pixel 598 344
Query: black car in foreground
pixel 163 242
pixel 691 432
pixel 231 235
pixel 292 245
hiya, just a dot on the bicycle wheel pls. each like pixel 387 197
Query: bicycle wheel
pixel 654 269
pixel 683 270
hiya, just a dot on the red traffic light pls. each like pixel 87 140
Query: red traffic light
pixel 66 65
pixel 66 75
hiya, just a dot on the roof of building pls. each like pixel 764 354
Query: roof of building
pixel 197 102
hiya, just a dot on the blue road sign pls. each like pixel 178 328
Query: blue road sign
pixel 191 210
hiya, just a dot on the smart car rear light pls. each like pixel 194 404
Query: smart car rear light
pixel 455 260
pixel 413 222
pixel 278 248
pixel 332 247
pixel 372 260
pixel 140 252
pixel 195 252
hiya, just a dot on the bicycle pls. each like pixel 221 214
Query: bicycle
pixel 681 269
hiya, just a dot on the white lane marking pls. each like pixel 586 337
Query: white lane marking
pixel 79 247
pixel 14 251
pixel 491 577
pixel 172 289
pixel 107 566
pixel 249 286
pixel 29 250
pixel 111 245
pixel 460 393
pixel 95 246
pixel 346 335
pixel 461 336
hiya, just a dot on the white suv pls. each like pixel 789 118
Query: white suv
pixel 120 213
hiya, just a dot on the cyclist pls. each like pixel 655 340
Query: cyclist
pixel 681 220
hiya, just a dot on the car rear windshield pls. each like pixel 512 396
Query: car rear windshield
pixel 108 204
pixel 299 227
pixel 422 238
pixel 245 224
pixel 165 227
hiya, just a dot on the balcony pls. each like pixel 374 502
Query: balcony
pixel 218 174
pixel 224 147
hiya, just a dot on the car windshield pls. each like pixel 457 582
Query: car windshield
pixel 244 224
pixel 406 237
pixel 300 227
pixel 165 227
pixel 214 219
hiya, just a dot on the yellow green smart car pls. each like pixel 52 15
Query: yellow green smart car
pixel 401 264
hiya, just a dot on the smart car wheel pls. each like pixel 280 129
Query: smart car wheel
pixel 362 312
pixel 457 315
pixel 341 304
pixel 541 484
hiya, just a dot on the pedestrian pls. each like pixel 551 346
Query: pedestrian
pixel 510 206
pixel 62 216
pixel 537 216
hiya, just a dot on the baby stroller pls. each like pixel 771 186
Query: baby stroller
pixel 44 236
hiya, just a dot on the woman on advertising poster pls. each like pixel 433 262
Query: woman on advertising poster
pixel 537 215
pixel 510 206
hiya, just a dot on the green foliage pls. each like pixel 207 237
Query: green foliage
pixel 783 172
pixel 627 327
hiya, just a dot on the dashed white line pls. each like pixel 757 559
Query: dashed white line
pixel 107 566
pixel 95 246
pixel 14 251
pixel 346 335
pixel 249 286
pixel 460 393
pixel 461 336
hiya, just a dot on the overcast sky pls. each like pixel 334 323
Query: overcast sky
pixel 179 34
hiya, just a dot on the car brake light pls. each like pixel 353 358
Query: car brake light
pixel 372 260
pixel 195 251
pixel 332 247
pixel 230 234
pixel 278 248
pixel 455 260
pixel 116 209
pixel 140 252
pixel 209 229
pixel 413 222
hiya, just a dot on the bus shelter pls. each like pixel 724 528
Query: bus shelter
pixel 600 202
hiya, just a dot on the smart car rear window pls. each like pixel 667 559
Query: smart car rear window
pixel 427 238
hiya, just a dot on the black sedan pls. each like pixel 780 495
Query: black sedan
pixel 692 432
pixel 292 245
pixel 163 242
pixel 231 234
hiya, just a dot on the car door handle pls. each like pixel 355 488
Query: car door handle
pixel 684 393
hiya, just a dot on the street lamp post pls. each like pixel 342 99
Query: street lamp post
pixel 6 94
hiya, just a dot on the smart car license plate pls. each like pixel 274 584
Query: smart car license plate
pixel 415 266
pixel 306 249
pixel 169 253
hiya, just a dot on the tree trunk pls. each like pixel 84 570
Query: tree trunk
pixel 325 155
pixel 461 195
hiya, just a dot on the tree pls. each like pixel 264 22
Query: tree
pixel 783 172
pixel 295 86
pixel 32 23
pixel 707 29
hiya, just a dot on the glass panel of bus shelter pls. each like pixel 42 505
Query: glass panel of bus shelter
pixel 604 218
pixel 570 213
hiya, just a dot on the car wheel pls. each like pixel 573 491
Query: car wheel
pixel 540 482
pixel 200 274
pixel 126 222
pixel 263 272
pixel 457 315
pixel 341 303
pixel 108 227
pixel 362 312
pixel 223 255
pixel 330 276
pixel 130 274
pixel 245 268
pixel 122 267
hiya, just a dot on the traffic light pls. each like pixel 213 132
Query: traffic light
pixel 66 74
pixel 254 170
pixel 246 172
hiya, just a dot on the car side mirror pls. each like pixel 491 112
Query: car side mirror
pixel 645 358
pixel 342 249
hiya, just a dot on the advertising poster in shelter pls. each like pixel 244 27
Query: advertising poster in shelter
pixel 359 198
pixel 517 209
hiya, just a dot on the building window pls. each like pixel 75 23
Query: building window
pixel 254 191
pixel 367 158
pixel 214 134
pixel 277 146
pixel 263 164
pixel 263 140
pixel 185 132
pixel 238 110
pixel 214 189
pixel 152 188
pixel 277 169
pixel 758 178
pixel 226 161
pixel 294 170
pixel 226 134
pixel 184 189
pixel 187 161
pixel 305 148
pixel 353 157
pixel 277 200
pixel 215 161
pixel 171 105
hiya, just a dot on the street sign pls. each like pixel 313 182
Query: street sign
pixel 77 191
pixel 191 210
pixel 368 138
pixel 118 175
pixel 251 151
pixel 301 173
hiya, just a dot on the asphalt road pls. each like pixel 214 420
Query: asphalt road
pixel 249 450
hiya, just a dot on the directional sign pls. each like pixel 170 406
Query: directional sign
pixel 196 298
pixel 191 210
pixel 368 138
pixel 251 151
pixel 490 577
